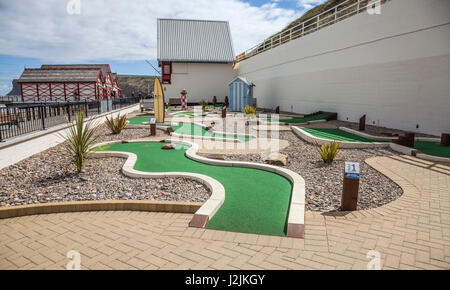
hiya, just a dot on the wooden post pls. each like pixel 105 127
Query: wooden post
pixel 350 190
pixel 445 140
pixel 407 140
pixel 224 111
pixel 153 127
pixel 362 123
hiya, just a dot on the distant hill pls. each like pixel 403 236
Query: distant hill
pixel 135 84
pixel 15 89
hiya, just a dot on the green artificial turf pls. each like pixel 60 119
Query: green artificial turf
pixel 338 135
pixel 195 130
pixel 301 120
pixel 190 114
pixel 138 120
pixel 432 148
pixel 256 201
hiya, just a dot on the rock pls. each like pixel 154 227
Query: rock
pixel 277 159
pixel 168 147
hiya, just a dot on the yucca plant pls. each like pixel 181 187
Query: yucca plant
pixel 328 152
pixel 79 138
pixel 117 124
pixel 204 104
pixel 249 110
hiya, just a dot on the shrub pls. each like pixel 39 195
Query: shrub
pixel 203 103
pixel 117 124
pixel 79 138
pixel 328 152
pixel 249 110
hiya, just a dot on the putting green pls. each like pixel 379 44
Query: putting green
pixel 338 135
pixel 432 148
pixel 301 120
pixel 189 114
pixel 139 120
pixel 256 201
pixel 195 130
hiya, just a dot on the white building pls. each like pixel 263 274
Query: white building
pixel 195 55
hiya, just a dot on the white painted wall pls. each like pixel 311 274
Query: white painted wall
pixel 201 80
pixel 394 67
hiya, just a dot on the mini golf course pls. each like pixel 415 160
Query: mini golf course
pixel 302 120
pixel 191 129
pixel 339 135
pixel 190 114
pixel 432 148
pixel 256 201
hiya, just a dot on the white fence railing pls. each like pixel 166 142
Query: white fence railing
pixel 328 17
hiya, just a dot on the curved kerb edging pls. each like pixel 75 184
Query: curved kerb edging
pixel 359 145
pixel 296 218
pixel 343 144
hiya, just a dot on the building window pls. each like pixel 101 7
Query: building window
pixel 166 72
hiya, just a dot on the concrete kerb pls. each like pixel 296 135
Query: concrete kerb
pixel 360 145
pixel 343 144
pixel 296 218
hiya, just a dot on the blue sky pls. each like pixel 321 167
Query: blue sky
pixel 119 32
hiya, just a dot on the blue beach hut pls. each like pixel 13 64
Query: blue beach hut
pixel 241 94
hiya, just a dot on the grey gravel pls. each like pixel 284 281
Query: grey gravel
pixel 49 177
pixel 324 181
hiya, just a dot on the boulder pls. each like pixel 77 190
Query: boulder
pixel 277 159
pixel 168 147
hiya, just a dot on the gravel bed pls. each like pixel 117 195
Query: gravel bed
pixel 50 177
pixel 324 181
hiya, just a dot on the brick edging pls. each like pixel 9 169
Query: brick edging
pixel 100 205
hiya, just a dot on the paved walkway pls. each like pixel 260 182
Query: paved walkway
pixel 410 233
pixel 16 153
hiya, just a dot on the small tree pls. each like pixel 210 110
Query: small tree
pixel 79 138
pixel 227 101
pixel 215 101
pixel 117 124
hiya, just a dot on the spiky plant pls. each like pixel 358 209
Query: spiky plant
pixel 117 124
pixel 79 138
pixel 329 152
pixel 204 104
pixel 248 110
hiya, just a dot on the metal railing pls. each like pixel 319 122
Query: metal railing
pixel 329 17
pixel 19 119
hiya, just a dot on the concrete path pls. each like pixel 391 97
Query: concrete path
pixel 410 233
pixel 19 152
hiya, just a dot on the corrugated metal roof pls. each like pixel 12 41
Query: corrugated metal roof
pixel 55 75
pixel 103 67
pixel 181 40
